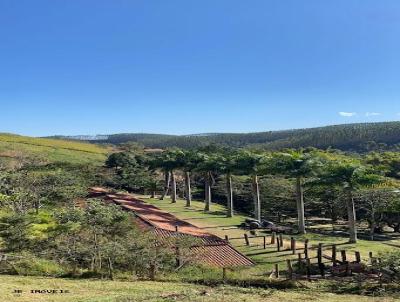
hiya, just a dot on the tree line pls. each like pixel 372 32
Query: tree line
pixel 363 137
pixel 329 178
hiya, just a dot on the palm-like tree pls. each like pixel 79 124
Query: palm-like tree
pixel 297 165
pixel 349 176
pixel 188 161
pixel 169 161
pixel 253 164
pixel 226 163
pixel 207 164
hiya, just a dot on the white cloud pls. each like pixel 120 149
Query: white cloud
pixel 368 114
pixel 347 114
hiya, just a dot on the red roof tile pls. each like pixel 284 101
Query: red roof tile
pixel 210 249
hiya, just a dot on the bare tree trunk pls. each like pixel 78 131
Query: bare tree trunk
pixel 207 188
pixel 229 195
pixel 351 217
pixel 188 189
pixel 256 198
pixel 173 183
pixel 300 206
pixel 166 185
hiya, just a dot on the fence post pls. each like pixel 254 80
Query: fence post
pixel 358 256
pixel 334 250
pixel 306 248
pixel 276 270
pixel 281 240
pixel 344 257
pixel 290 269
pixel 319 253
pixel 293 245
pixel 265 242
pixel 273 238
pixel 226 238
pixel 299 262
pixel 371 258
pixel 278 244
pixel 246 239
pixel 308 263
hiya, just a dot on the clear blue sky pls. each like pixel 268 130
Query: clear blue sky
pixel 188 66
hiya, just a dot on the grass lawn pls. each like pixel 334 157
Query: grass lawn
pixel 217 223
pixel 140 291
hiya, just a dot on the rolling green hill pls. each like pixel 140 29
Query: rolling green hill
pixel 15 147
pixel 348 137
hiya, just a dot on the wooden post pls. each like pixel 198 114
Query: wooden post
pixel 344 258
pixel 308 263
pixel 226 238
pixel 371 258
pixel 334 262
pixel 319 254
pixel 290 269
pixel 278 244
pixel 176 228
pixel 358 256
pixel 299 261
pixel 306 248
pixel 293 245
pixel 224 273
pixel 281 240
pixel 246 239
pixel 273 238
pixel 265 242
pixel 276 270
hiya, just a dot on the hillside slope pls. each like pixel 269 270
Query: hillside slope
pixel 16 148
pixel 355 137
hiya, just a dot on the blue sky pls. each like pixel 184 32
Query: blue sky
pixel 88 67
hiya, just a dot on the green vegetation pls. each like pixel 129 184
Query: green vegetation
pixel 49 227
pixel 15 149
pixel 217 223
pixel 356 137
pixel 125 291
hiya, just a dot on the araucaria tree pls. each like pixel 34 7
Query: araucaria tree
pixel 349 176
pixel 298 165
pixel 253 164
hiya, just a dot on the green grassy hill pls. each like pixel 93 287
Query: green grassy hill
pixel 16 147
pixel 353 137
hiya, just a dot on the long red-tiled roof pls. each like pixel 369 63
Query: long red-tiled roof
pixel 156 216
pixel 210 249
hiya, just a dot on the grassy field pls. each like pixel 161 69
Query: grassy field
pixel 140 291
pixel 217 223
pixel 15 147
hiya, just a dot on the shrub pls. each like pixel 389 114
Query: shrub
pixel 30 265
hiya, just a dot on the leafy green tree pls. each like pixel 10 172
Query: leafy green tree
pixel 226 163
pixel 298 165
pixel 189 161
pixel 253 164
pixel 15 232
pixel 208 161
pixel 349 176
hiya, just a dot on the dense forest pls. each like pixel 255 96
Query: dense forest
pixel 349 137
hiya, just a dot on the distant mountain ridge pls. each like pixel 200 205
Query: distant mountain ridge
pixel 348 137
